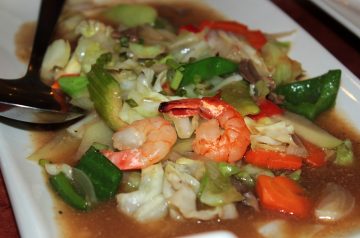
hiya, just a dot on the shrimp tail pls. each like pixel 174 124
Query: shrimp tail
pixel 206 107
pixel 181 108
pixel 124 161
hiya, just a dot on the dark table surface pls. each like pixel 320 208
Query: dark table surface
pixel 344 45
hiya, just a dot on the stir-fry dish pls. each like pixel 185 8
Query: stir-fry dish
pixel 203 123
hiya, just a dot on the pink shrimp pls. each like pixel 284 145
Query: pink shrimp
pixel 228 143
pixel 142 143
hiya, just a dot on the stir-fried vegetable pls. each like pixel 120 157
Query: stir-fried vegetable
pixel 206 69
pixel 313 96
pixel 284 195
pixel 105 93
pixel 273 160
pixel 131 15
pixel 198 120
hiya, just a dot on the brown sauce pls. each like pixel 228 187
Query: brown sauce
pixel 24 40
pixel 107 221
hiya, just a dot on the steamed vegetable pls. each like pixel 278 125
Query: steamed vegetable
pixel 312 96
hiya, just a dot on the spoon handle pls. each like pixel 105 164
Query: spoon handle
pixel 48 16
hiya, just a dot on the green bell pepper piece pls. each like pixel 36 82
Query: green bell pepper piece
pixel 206 69
pixel 313 96
pixel 62 185
pixel 104 175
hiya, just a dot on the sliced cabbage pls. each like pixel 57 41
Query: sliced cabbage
pixel 283 69
pixel 57 55
pixel 95 40
pixel 216 189
pixel 146 98
pixel 271 134
pixel 181 188
pixel 188 45
pixel 147 203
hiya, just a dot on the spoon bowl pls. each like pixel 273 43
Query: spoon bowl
pixel 28 99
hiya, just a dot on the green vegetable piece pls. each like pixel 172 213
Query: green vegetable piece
pixel 228 169
pixel 74 86
pixel 237 94
pixel 62 185
pixel 285 70
pixel 207 68
pixel 248 174
pixel 296 175
pixel 216 189
pixel 176 80
pixel 344 154
pixel 105 93
pixel 313 96
pixel 146 51
pixel 131 15
pixel 104 175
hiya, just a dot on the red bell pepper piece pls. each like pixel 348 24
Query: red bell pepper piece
pixel 267 109
pixel 255 38
pixel 316 156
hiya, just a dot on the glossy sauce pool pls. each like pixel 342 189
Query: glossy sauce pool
pixel 107 221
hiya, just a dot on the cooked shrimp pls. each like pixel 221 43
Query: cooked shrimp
pixel 224 137
pixel 142 143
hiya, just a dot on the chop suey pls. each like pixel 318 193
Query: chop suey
pixel 192 123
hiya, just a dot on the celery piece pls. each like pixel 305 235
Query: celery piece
pixel 73 85
pixel 105 94
pixel 131 15
pixel 237 94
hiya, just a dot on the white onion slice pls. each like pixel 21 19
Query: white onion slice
pixel 335 203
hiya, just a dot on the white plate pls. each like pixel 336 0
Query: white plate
pixel 29 196
pixel 346 12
